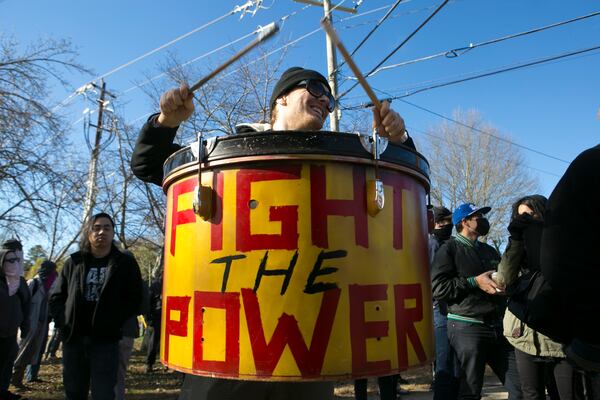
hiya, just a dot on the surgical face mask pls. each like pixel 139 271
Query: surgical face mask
pixel 444 232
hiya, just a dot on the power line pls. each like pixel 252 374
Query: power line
pixel 150 80
pixel 381 20
pixel 282 20
pixel 372 11
pixel 500 138
pixel 253 61
pixel 306 35
pixel 457 52
pixel 502 70
pixel 400 45
pixel 512 67
pixel 288 44
pixel 397 15
pixel 413 129
pixel 243 8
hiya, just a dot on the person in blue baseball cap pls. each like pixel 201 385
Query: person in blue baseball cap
pixel 461 276
pixel 470 212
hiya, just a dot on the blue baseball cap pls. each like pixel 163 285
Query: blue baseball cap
pixel 466 210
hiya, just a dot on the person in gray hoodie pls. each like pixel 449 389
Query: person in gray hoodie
pixel 31 346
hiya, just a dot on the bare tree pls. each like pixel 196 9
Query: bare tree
pixel 32 139
pixel 469 166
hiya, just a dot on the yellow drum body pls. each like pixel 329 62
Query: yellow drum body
pixel 292 279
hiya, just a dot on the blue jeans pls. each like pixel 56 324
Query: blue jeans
pixel 480 344
pixel 447 367
pixel 86 364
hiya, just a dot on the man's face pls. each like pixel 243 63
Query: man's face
pixel 471 221
pixel 301 111
pixel 102 233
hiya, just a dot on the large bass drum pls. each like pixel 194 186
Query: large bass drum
pixel 290 278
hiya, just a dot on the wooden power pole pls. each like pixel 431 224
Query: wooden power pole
pixel 90 197
pixel 334 123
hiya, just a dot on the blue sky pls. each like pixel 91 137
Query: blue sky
pixel 551 108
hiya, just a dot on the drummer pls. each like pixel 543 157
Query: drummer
pixel 301 101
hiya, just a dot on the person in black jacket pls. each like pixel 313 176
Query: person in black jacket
pixel 300 101
pixel 14 311
pixel 446 367
pixel 462 277
pixel 569 262
pixel 98 289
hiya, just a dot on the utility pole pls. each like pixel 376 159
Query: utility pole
pixel 331 58
pixel 90 197
pixel 334 122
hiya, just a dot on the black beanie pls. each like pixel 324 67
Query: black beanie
pixel 12 245
pixel 440 212
pixel 290 78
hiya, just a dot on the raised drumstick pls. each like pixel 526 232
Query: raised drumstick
pixel 348 58
pixel 265 33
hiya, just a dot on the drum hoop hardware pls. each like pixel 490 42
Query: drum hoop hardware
pixel 208 146
pixel 203 196
pixel 367 143
pixel 375 193
pixel 187 169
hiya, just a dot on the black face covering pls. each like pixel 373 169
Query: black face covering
pixel 444 232
pixel 483 226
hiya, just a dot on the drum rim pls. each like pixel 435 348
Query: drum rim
pixel 422 173
pixel 234 163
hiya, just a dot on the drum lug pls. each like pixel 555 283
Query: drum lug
pixel 367 143
pixel 375 145
pixel 203 197
pixel 375 197
pixel 209 145
pixel 203 202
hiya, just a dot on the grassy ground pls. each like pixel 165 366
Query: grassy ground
pixel 159 385
pixel 164 385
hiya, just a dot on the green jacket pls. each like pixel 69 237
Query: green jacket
pixel 521 336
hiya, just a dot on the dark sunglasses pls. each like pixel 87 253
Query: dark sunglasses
pixel 12 260
pixel 316 89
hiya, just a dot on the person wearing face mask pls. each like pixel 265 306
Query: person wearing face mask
pixel 14 310
pixel 537 355
pixel 31 346
pixel 446 367
pixel 462 277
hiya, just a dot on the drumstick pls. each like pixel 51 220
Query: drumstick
pixel 265 33
pixel 348 58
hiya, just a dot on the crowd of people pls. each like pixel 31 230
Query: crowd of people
pixel 530 314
